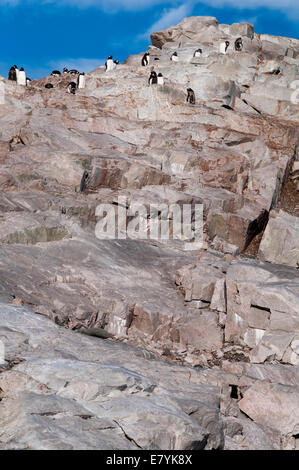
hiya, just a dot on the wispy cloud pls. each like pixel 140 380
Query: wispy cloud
pixel 169 17
pixel 289 7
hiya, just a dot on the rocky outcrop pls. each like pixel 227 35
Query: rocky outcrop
pixel 223 313
pixel 280 241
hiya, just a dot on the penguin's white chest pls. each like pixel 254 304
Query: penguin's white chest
pixel 82 81
pixel 160 80
pixel 21 77
pixel 197 54
pixel 222 48
pixel 110 65
pixel 175 58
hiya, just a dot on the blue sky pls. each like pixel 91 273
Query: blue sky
pixel 42 35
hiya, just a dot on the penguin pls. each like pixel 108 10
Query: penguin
pixel 145 59
pixel 12 74
pixel 28 80
pixel 65 70
pixel 55 73
pixel 21 77
pixel 174 57
pixel 116 62
pixel 223 47
pixel 74 72
pixel 81 81
pixel 49 85
pixel 238 45
pixel 71 88
pixel 160 79
pixel 109 64
pixel 153 79
pixel 198 53
pixel 84 181
pixel 190 96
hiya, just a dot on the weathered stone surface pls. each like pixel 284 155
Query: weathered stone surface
pixel 272 405
pixel 72 384
pixel 262 309
pixel 235 152
pixel 280 243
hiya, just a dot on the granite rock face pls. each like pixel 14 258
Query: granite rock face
pixel 223 314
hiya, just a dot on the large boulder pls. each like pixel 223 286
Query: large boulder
pixel 280 242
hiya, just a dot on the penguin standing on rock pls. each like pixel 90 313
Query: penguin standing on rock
pixel 12 74
pixel 160 79
pixel 153 78
pixel 81 81
pixel 238 45
pixel 190 96
pixel 174 57
pixel 55 73
pixel 84 181
pixel 21 77
pixel 198 53
pixel 71 88
pixel 145 59
pixel 223 47
pixel 109 64
pixel 65 70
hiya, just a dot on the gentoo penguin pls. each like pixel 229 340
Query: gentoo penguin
pixel 109 64
pixel 190 96
pixel 238 44
pixel 223 47
pixel 84 181
pixel 28 80
pixel 81 81
pixel 116 62
pixel 74 72
pixel 197 53
pixel 55 73
pixel 49 85
pixel 12 74
pixel 145 59
pixel 21 77
pixel 160 79
pixel 71 88
pixel 65 70
pixel 174 57
pixel 153 79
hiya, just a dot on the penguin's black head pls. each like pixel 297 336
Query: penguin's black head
pixel 21 69
pixel 110 57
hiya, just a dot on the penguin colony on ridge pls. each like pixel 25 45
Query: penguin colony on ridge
pixel 20 76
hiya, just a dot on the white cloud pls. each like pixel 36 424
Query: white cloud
pixel 290 7
pixel 169 18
